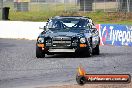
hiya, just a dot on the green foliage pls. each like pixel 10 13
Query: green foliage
pixel 41 12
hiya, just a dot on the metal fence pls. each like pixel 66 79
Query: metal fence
pixel 1 3
pixel 55 6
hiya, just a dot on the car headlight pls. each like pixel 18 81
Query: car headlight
pixel 41 40
pixel 82 40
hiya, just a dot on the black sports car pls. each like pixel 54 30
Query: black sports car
pixel 75 34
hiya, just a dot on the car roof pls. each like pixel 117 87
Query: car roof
pixel 70 17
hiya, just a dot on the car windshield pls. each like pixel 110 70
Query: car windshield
pixel 68 23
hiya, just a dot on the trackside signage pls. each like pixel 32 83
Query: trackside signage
pixel 82 77
pixel 110 34
pixel 113 34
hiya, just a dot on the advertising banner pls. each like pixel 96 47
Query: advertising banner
pixel 114 34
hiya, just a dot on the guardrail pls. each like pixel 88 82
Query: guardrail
pixel 20 29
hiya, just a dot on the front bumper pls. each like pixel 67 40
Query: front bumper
pixel 63 45
pixel 58 50
pixel 61 50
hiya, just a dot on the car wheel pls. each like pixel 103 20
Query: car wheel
pixel 90 51
pixel 39 53
pixel 96 50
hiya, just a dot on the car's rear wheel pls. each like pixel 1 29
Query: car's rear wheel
pixel 39 53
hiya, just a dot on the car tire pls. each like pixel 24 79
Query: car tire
pixel 96 50
pixel 39 53
pixel 89 51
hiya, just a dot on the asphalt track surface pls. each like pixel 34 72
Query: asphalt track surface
pixel 19 68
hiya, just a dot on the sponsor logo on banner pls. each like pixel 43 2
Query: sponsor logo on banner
pixel 82 77
pixel 115 34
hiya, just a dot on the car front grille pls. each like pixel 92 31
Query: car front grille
pixel 61 38
pixel 61 41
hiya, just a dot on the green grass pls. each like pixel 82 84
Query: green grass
pixel 0 15
pixel 41 12
pixel 38 12
pixel 44 15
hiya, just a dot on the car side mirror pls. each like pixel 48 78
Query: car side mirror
pixel 44 28
pixel 93 30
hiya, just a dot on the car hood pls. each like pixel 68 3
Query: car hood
pixel 65 33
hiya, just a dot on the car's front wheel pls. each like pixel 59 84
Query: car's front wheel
pixel 90 51
pixel 39 53
pixel 96 50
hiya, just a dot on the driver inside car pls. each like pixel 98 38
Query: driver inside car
pixel 58 25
